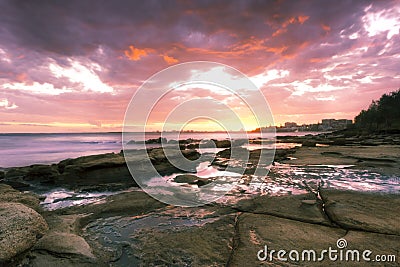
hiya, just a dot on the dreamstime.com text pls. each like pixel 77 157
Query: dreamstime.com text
pixel 333 254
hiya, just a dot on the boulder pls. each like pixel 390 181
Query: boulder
pixel 17 184
pixel 159 140
pixel 282 154
pixel 20 227
pixel 192 146
pixel 240 152
pixel 215 143
pixel 94 170
pixel 191 179
pixel 186 178
pixel 16 173
pixel 176 158
pixel 45 174
pixel 8 194
pixel 42 173
pixel 64 243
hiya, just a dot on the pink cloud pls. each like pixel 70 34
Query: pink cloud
pixel 334 59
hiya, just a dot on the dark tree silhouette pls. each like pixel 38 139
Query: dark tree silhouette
pixel 383 114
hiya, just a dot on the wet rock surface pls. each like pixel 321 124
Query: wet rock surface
pixel 383 159
pixel 255 231
pixel 303 208
pixel 345 137
pixel 101 172
pixel 219 235
pixel 363 211
pixel 133 229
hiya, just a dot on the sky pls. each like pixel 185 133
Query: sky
pixel 74 66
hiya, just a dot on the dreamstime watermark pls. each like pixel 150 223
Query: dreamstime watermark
pixel 340 253
pixel 175 97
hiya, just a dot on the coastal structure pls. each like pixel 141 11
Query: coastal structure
pixel 325 125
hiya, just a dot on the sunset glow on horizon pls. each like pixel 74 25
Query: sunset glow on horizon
pixel 74 66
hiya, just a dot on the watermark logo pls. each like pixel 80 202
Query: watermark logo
pixel 211 94
pixel 338 253
pixel 341 243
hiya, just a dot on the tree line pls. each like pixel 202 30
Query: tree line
pixel 382 114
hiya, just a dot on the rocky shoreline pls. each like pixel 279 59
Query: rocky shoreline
pixel 130 228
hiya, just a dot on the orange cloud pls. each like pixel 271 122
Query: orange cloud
pixel 21 77
pixel 211 52
pixel 277 50
pixel 293 20
pixel 316 60
pixel 252 44
pixel 136 54
pixel 302 19
pixel 170 60
pixel 279 31
pixel 326 27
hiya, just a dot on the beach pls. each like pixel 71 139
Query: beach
pixel 319 189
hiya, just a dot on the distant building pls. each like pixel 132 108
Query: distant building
pixel 328 122
pixel 333 124
pixel 326 125
pixel 290 124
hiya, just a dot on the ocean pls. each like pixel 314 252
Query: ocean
pixel 25 149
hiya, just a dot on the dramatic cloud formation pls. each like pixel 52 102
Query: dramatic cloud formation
pixel 74 65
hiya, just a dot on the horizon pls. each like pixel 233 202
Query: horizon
pixel 166 131
pixel 74 68
pixel 176 130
